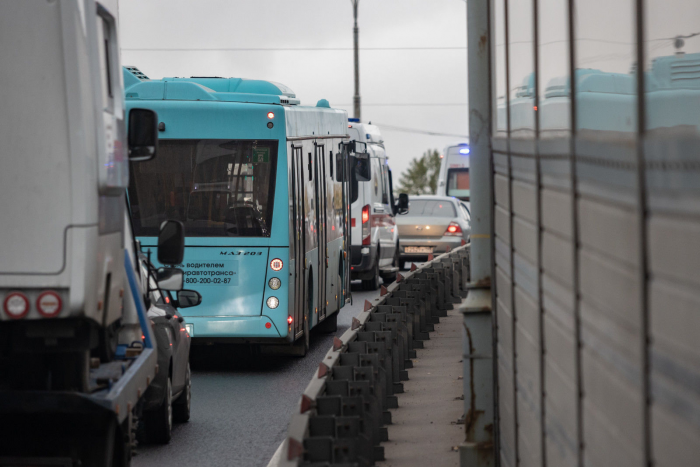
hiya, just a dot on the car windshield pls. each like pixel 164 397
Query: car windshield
pixel 217 188
pixel 432 208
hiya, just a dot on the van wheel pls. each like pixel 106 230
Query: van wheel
pixel 391 277
pixel 373 282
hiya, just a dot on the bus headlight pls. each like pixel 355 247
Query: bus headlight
pixel 273 303
pixel 275 283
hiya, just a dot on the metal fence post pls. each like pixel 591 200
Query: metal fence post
pixel 478 447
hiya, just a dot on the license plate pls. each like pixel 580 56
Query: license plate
pixel 418 249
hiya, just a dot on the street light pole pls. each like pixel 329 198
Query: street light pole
pixel 356 33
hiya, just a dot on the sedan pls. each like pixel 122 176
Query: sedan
pixel 433 224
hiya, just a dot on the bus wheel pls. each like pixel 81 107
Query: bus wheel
pixel 329 325
pixel 301 346
pixel 373 282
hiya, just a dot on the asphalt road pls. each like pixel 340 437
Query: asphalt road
pixel 241 404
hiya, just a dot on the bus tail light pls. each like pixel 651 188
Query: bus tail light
pixel 366 225
pixel 453 230
pixel 289 320
pixel 276 264
pixel 16 305
pixel 49 304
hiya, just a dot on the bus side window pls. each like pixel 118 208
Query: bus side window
pixel 339 167
pixel 311 177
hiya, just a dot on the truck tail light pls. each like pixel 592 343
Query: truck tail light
pixel 366 225
pixel 16 305
pixel 453 230
pixel 49 304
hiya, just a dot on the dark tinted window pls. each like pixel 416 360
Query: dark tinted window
pixel 217 188
pixel 433 208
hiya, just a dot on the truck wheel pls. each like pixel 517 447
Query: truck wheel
pixel 373 282
pixel 181 407
pixel 159 422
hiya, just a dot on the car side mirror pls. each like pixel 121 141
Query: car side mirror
pixel 171 242
pixel 143 135
pixel 402 204
pixel 170 278
pixel 188 298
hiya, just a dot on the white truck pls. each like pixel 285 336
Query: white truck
pixel 374 236
pixel 76 349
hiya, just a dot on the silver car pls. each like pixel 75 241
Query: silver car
pixel 433 224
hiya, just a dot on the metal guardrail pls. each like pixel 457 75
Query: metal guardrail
pixel 343 412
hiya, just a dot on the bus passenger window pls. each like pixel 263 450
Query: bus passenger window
pixel 310 172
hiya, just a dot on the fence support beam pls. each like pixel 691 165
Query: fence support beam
pixel 478 447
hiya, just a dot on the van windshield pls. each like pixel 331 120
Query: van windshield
pixel 216 188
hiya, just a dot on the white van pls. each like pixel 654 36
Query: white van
pixel 454 172
pixel 375 238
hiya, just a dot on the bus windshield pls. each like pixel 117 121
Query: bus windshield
pixel 458 183
pixel 217 188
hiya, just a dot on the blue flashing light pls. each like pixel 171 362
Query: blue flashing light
pixel 354 120
pixel 464 151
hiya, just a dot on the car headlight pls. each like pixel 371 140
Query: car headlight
pixel 273 303
pixel 275 283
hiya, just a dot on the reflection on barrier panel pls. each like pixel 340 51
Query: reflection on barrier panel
pixel 343 412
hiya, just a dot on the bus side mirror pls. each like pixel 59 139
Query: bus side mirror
pixel 402 204
pixel 171 243
pixel 188 298
pixel 143 135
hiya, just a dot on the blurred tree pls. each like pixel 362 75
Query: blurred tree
pixel 421 178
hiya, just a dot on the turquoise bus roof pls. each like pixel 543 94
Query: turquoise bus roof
pixel 139 87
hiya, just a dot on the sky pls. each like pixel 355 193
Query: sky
pixel 399 87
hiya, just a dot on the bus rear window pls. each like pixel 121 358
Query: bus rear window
pixel 458 183
pixel 217 188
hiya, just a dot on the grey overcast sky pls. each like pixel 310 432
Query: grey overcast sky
pixel 413 82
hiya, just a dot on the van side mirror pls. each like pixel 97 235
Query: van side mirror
pixel 170 278
pixel 188 298
pixel 402 204
pixel 359 167
pixel 143 135
pixel 171 243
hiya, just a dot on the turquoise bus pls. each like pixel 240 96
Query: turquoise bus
pixel 258 182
